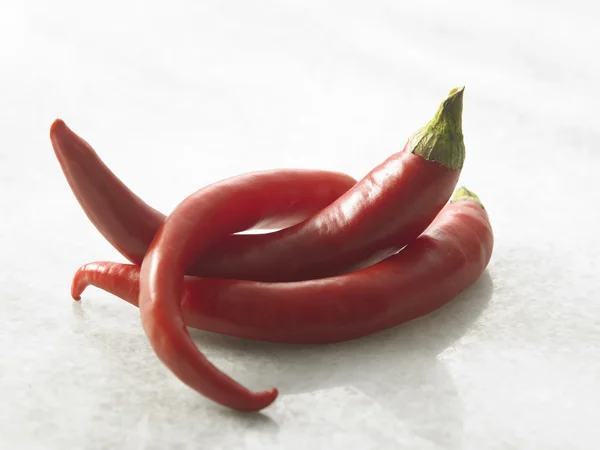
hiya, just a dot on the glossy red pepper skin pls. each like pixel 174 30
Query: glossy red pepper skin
pixel 129 224
pixel 226 208
pixel 204 217
pixel 382 213
pixel 446 259
pixel 374 219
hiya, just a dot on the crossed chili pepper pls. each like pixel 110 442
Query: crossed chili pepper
pixel 351 258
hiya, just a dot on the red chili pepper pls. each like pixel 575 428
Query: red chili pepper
pixel 201 218
pixel 387 209
pixel 129 224
pixel 447 258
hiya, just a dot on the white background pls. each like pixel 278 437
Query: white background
pixel 175 95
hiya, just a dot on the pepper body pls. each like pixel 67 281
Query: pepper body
pixel 129 224
pixel 422 277
pixel 378 216
pixel 372 220
pixel 447 258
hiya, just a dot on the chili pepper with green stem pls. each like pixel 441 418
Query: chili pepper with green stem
pixel 374 219
pixel 210 213
pixel 448 257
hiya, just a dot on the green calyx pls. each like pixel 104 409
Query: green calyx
pixel 462 193
pixel 441 140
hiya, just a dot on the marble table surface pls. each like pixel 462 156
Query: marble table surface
pixel 176 95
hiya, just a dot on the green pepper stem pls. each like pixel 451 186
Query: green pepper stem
pixel 462 193
pixel 441 140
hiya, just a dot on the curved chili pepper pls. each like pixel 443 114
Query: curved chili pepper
pixel 129 224
pixel 209 214
pixel 387 209
pixel 200 218
pixel 447 258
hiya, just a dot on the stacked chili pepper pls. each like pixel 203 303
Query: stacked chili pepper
pixel 350 258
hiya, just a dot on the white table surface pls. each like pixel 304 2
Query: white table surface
pixel 174 97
